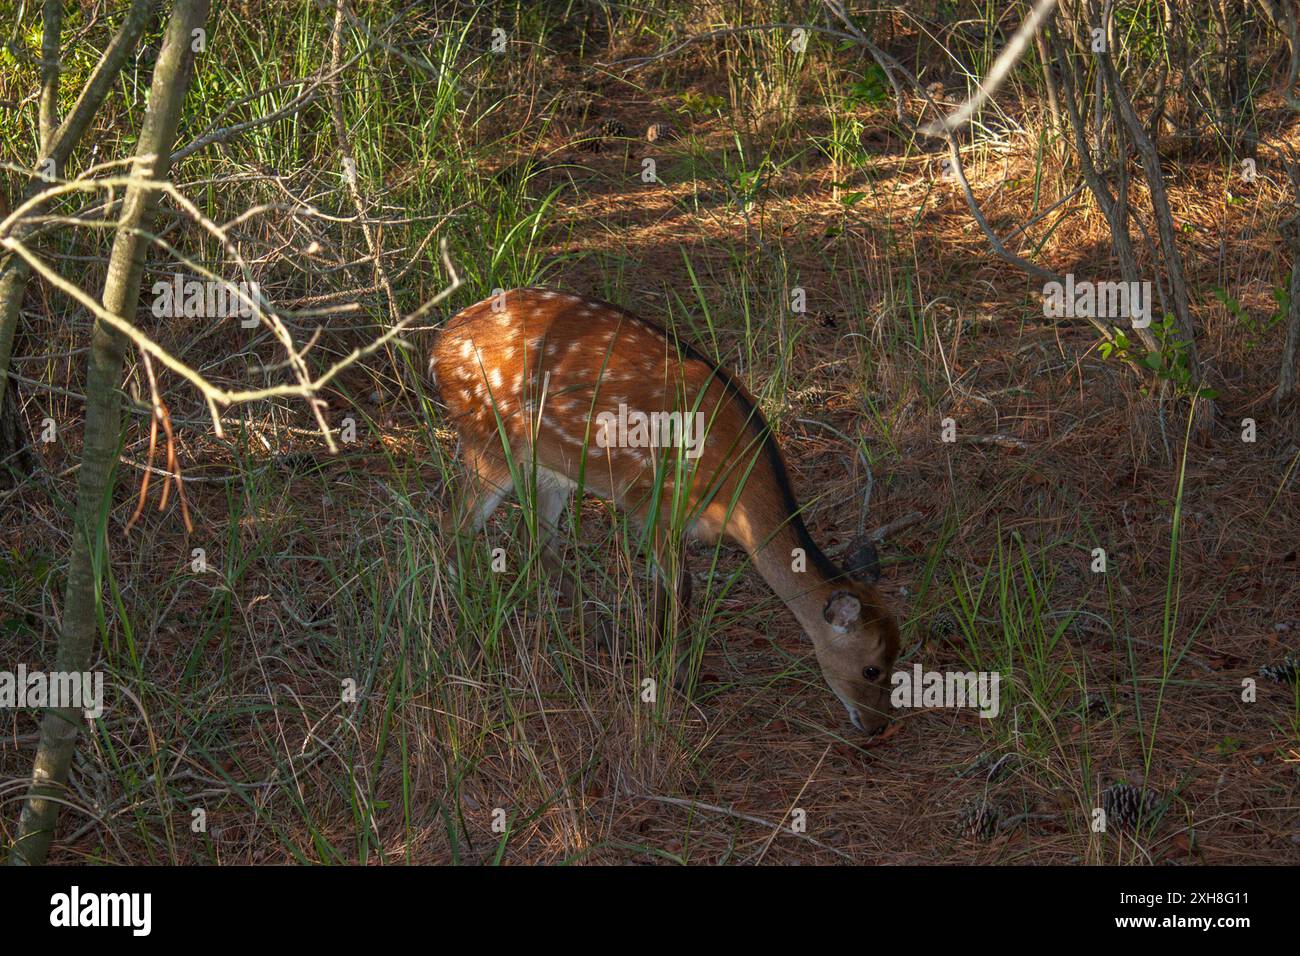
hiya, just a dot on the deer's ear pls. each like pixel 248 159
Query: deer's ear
pixel 862 563
pixel 842 610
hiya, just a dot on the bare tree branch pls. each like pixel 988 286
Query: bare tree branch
pixel 891 67
pixel 349 156
pixel 1000 70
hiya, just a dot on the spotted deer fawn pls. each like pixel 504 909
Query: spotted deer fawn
pixel 572 390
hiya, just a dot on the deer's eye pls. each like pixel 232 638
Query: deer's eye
pixel 871 673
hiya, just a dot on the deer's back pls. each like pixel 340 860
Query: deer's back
pixel 542 367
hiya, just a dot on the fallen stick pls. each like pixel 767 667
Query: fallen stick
pixel 898 524
pixel 736 814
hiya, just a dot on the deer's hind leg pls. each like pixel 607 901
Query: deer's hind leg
pixel 487 482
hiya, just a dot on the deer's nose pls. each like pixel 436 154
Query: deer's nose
pixel 868 722
pixel 874 725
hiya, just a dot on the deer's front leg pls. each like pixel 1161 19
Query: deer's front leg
pixel 554 494
pixel 671 611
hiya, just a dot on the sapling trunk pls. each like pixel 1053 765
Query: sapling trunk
pixel 171 80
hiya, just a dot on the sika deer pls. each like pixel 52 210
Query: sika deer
pixel 563 386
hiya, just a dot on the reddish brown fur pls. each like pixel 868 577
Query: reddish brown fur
pixel 538 367
pixel 590 356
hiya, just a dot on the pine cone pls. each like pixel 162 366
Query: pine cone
pixel 1095 706
pixel 1124 805
pixel 1288 672
pixel 978 818
pixel 942 626
pixel 594 140
pixel 571 103
pixel 660 132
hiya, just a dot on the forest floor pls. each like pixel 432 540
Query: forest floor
pixel 478 697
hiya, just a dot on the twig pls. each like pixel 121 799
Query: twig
pixel 794 803
pixel 307 386
pixel 350 160
pixel 736 814
pixel 1006 441
pixel 897 525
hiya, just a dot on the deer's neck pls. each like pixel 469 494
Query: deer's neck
pixel 793 566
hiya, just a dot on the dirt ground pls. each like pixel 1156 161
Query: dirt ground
pixel 1134 675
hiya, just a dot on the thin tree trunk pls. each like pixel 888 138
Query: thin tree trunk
pixel 52 26
pixel 1160 211
pixel 1282 14
pixel 1049 81
pixel 1115 209
pixel 171 80
pixel 1286 378
pixel 14 452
